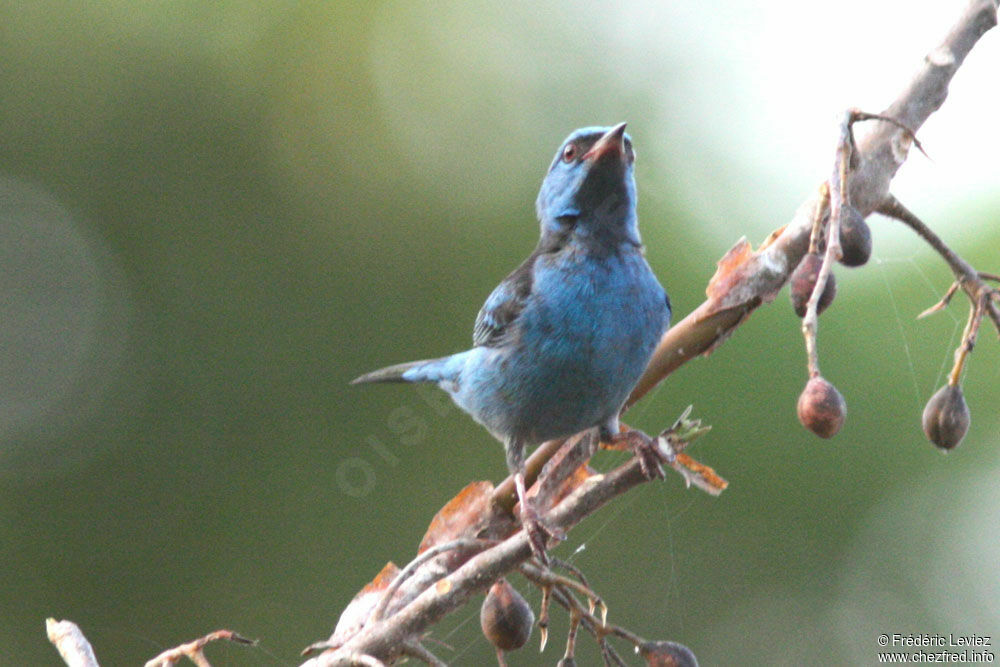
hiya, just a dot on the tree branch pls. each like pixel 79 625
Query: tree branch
pixel 71 643
pixel 880 153
pixel 971 281
pixel 385 639
pixel 746 278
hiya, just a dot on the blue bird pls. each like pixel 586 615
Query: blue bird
pixel 560 343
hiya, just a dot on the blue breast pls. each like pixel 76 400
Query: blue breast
pixel 584 341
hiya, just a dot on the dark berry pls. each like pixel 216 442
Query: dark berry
pixel 667 654
pixel 803 282
pixel 946 417
pixel 821 407
pixel 855 238
pixel 506 617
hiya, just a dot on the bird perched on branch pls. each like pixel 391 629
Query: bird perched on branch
pixel 560 343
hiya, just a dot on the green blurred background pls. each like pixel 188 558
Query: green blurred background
pixel 214 215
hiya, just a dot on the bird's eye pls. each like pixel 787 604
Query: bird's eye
pixel 569 153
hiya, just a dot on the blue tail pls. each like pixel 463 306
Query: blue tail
pixel 427 370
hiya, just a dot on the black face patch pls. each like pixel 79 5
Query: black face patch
pixel 586 142
pixel 573 151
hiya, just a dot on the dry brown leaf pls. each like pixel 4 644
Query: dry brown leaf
pixel 730 270
pixel 356 614
pixel 462 516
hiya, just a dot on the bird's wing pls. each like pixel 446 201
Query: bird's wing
pixel 497 319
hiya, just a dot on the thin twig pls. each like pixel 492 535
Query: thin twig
pixel 412 566
pixel 71 643
pixel 968 341
pixel 837 193
pixel 943 303
pixel 193 650
pixel 968 278
pixel 610 655
pixel 543 617
pixel 574 626
pixel 598 630
pixel 818 217
pixel 572 569
pixel 542 577
pixel 893 208
pixel 419 651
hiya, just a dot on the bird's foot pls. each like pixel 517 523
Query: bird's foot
pixel 645 449
pixel 538 531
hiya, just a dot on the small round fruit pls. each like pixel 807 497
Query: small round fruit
pixel 666 654
pixel 803 282
pixel 855 238
pixel 821 407
pixel 946 417
pixel 506 617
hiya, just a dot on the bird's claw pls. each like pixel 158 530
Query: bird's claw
pixel 645 449
pixel 539 532
pixel 649 460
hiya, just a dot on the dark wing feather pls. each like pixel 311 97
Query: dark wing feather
pixel 497 319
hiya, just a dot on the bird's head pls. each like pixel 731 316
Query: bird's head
pixel 589 191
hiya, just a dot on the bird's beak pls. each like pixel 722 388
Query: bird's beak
pixel 610 143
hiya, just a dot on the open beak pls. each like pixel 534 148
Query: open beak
pixel 610 143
